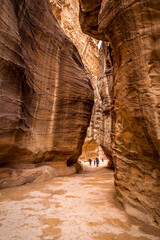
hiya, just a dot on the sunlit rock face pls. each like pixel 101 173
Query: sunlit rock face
pixel 91 148
pixel 98 140
pixel 46 95
pixel 67 14
pixel 132 28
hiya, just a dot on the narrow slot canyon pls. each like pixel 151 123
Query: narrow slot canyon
pixel 80 120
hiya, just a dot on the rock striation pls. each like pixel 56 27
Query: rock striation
pixel 91 147
pixel 98 140
pixel 105 87
pixel 67 14
pixel 46 95
pixel 132 28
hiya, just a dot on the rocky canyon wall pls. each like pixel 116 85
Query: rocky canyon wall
pixel 46 95
pixel 105 86
pixel 98 140
pixel 133 29
pixel 91 148
pixel 67 14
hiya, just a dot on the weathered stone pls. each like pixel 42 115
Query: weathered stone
pixel 132 28
pixel 98 140
pixel 105 85
pixel 88 17
pixel 14 177
pixel 91 147
pixel 46 96
pixel 67 14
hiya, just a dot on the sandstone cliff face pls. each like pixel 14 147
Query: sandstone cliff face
pixel 67 14
pixel 91 148
pixel 98 140
pixel 105 85
pixel 132 28
pixel 46 96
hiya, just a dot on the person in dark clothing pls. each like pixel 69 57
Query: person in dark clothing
pixel 102 160
pixel 112 166
pixel 94 162
pixel 90 161
pixel 97 161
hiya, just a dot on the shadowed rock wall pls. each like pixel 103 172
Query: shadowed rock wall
pixel 100 127
pixel 105 85
pixel 66 12
pixel 46 96
pixel 91 148
pixel 132 28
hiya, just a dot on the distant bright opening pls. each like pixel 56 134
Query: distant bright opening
pixel 99 44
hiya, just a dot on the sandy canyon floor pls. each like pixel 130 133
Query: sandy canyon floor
pixel 79 207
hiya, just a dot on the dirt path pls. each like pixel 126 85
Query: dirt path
pixel 79 207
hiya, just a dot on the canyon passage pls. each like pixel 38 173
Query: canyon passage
pixel 79 80
pixel 81 207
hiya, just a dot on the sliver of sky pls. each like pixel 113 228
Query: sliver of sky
pixel 99 44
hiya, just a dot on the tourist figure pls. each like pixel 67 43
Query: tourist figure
pixel 94 162
pixel 97 161
pixel 90 161
pixel 102 160
pixel 112 166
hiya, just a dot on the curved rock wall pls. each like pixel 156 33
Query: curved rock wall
pixel 67 14
pixel 100 126
pixel 91 148
pixel 105 85
pixel 132 28
pixel 46 96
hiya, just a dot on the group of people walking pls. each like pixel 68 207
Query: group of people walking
pixel 96 161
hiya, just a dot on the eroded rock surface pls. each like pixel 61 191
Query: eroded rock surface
pixel 98 140
pixel 132 28
pixel 46 96
pixel 91 148
pixel 88 16
pixel 105 85
pixel 67 14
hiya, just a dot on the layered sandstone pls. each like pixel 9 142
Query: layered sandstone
pixel 91 148
pixel 105 85
pixel 98 140
pixel 132 28
pixel 46 95
pixel 67 14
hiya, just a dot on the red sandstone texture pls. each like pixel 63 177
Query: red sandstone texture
pixel 46 95
pixel 133 28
